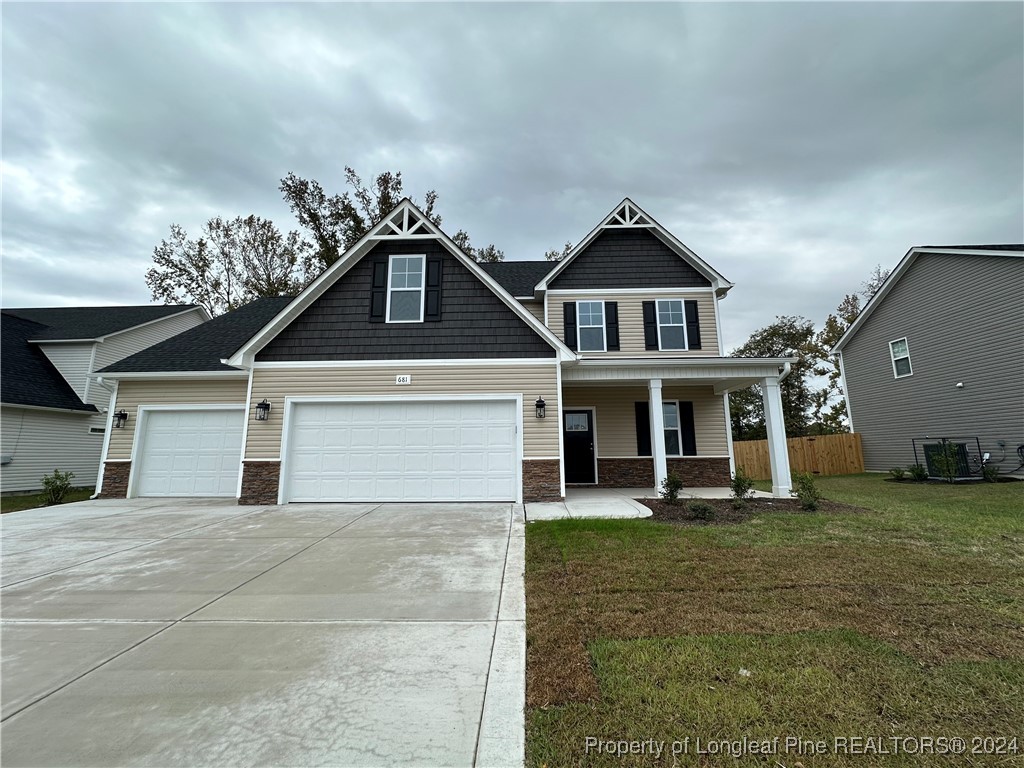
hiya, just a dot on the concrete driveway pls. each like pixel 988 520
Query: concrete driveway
pixel 196 632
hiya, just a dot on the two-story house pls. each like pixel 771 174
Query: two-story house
pixel 52 411
pixel 408 372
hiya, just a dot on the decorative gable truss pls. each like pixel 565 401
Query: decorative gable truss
pixel 627 215
pixel 405 222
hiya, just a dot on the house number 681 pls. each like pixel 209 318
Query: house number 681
pixel 403 379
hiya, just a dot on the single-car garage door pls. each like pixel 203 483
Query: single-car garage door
pixel 403 451
pixel 189 453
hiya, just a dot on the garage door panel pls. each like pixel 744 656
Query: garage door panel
pixel 412 451
pixel 190 453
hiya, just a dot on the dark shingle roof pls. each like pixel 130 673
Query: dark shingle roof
pixel 27 377
pixel 1000 247
pixel 67 323
pixel 202 348
pixel 518 277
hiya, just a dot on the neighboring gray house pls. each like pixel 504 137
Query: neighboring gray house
pixel 939 352
pixel 53 411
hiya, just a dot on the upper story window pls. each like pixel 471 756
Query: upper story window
pixel 671 324
pixel 405 289
pixel 590 317
pixel 899 350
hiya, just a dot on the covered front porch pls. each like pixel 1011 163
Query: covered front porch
pixel 627 423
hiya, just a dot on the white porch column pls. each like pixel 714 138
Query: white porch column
pixel 657 433
pixel 778 453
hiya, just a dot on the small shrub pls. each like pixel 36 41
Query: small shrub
pixel 742 484
pixel 990 472
pixel 946 463
pixel 701 510
pixel 917 473
pixel 807 491
pixel 670 488
pixel 740 504
pixel 898 474
pixel 56 486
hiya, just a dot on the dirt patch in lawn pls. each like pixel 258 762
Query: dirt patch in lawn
pixel 725 511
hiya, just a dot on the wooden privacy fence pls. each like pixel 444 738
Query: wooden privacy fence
pixel 819 455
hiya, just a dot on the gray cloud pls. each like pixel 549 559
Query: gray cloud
pixel 793 146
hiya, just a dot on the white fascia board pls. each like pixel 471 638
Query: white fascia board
pixel 718 282
pixel 118 375
pixel 683 362
pixel 245 355
pixel 905 263
pixel 68 411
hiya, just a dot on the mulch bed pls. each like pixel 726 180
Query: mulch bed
pixel 726 514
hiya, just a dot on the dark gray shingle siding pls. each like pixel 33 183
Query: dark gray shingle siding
pixel 628 258
pixel 963 318
pixel 474 322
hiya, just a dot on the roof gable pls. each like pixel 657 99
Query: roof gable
pixel 405 222
pixel 27 377
pixel 627 215
pixel 965 251
pixel 89 323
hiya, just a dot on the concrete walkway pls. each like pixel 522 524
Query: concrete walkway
pixel 188 632
pixel 611 503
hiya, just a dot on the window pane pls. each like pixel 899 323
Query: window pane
pixel 903 366
pixel 670 312
pixel 406 272
pixel 672 337
pixel 591 313
pixel 671 443
pixel 899 349
pixel 671 415
pixel 591 340
pixel 576 422
pixel 405 305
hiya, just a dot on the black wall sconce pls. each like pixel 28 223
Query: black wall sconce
pixel 262 410
pixel 541 408
pixel 120 418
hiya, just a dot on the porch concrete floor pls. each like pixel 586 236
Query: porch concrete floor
pixel 614 502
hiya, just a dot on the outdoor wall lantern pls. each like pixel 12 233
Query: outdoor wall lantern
pixel 120 418
pixel 541 413
pixel 263 410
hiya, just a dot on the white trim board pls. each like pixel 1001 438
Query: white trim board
pixel 441 361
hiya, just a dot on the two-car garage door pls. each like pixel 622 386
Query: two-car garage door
pixel 453 450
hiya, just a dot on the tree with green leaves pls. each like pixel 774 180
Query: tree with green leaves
pixel 557 255
pixel 788 336
pixel 232 262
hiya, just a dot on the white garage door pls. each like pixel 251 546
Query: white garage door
pixel 425 451
pixel 190 453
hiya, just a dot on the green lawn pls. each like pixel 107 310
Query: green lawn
pixel 33 500
pixel 903 620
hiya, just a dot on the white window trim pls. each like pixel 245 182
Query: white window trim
pixel 423 285
pixel 657 317
pixel 603 326
pixel 679 430
pixel 893 358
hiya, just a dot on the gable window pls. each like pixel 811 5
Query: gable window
pixel 405 289
pixel 590 319
pixel 671 324
pixel 899 350
pixel 673 435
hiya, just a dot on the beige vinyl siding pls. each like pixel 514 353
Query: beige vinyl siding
pixel 72 360
pixel 631 322
pixel 132 393
pixel 42 441
pixel 535 308
pixel 120 345
pixel 616 416
pixel 540 436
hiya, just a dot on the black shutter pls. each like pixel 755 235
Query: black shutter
pixel 643 429
pixel 692 325
pixel 432 310
pixel 379 291
pixel 569 314
pixel 650 325
pixel 686 427
pixel 611 325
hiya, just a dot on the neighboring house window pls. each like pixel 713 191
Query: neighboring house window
pixel 671 324
pixel 673 437
pixel 405 289
pixel 900 352
pixel 590 317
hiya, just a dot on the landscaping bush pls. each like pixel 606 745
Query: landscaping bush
pixel 807 491
pixel 917 473
pixel 701 510
pixel 56 486
pixel 670 488
pixel 946 463
pixel 990 472
pixel 742 485
pixel 898 474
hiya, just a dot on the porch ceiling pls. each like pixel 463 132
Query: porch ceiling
pixel 723 373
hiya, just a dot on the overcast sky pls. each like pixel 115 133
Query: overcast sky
pixel 792 146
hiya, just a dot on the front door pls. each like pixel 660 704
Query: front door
pixel 579 446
